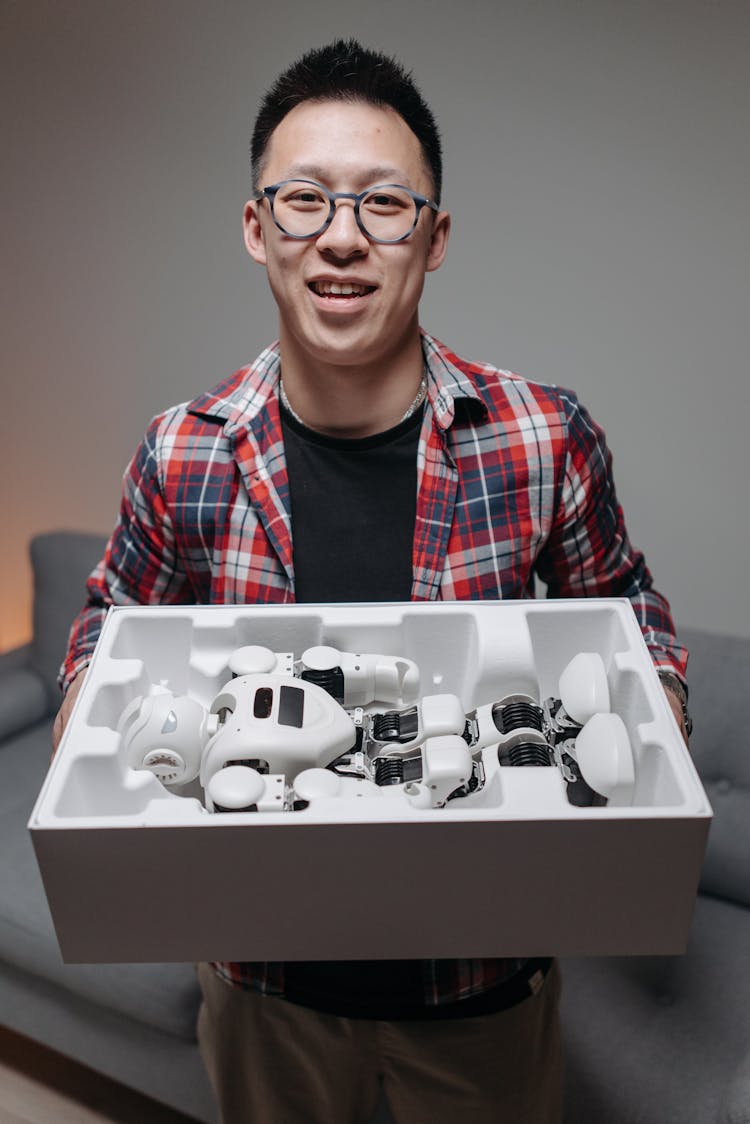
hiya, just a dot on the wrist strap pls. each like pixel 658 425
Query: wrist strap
pixel 678 689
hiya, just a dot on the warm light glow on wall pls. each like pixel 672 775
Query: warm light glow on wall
pixel 15 588
pixel 16 623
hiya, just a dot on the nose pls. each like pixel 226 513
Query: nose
pixel 342 236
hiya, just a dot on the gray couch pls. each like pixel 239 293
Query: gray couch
pixel 134 1023
pixel 649 1040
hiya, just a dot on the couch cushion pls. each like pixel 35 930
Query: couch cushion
pixel 165 996
pixel 23 700
pixel 719 675
pixel 735 1108
pixel 658 1039
pixel 61 561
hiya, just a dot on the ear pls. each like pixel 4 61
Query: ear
pixel 253 231
pixel 436 251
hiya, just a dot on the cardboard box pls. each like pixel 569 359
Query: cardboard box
pixel 136 871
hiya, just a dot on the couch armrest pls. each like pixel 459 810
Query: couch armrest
pixel 61 561
pixel 23 700
pixel 735 1107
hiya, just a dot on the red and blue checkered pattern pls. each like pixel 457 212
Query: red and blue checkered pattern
pixel 514 479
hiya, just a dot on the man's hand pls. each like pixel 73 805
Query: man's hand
pixel 63 714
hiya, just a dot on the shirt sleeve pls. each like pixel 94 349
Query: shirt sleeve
pixel 140 564
pixel 589 553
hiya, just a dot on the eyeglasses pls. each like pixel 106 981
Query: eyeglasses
pixel 304 209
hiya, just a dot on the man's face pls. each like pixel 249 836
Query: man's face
pixel 346 147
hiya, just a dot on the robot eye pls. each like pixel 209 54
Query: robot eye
pixel 263 702
pixel 291 706
pixel 170 723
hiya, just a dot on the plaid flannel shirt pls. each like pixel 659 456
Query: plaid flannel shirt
pixel 514 479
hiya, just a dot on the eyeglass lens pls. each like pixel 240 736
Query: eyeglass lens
pixel 302 208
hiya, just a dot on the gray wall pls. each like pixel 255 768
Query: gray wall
pixel 597 170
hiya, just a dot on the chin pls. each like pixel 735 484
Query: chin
pixel 344 348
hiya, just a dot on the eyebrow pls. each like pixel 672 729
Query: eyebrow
pixel 379 173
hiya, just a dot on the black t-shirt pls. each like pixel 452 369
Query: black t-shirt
pixel 353 504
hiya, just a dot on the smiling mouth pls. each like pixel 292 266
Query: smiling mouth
pixel 346 289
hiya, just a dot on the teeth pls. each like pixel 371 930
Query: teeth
pixel 333 288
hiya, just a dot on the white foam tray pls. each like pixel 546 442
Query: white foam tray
pixel 134 872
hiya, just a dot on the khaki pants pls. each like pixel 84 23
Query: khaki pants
pixel 273 1062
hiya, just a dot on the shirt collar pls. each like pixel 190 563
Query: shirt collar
pixel 238 400
pixel 449 384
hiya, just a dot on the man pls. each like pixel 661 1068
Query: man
pixel 359 459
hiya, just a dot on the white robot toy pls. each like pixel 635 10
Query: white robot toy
pixel 282 733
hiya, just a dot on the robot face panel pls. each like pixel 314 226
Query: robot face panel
pixel 292 724
pixel 291 705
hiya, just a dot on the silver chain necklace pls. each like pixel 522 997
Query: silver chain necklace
pixel 419 398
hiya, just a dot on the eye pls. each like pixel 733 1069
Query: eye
pixel 306 197
pixel 386 200
pixel 302 196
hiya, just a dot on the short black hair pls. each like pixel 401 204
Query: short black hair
pixel 347 71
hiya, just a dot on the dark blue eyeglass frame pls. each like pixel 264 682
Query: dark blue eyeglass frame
pixel 420 201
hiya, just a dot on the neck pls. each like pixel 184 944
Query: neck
pixel 352 401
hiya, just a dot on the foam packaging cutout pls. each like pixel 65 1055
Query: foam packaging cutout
pixel 138 870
